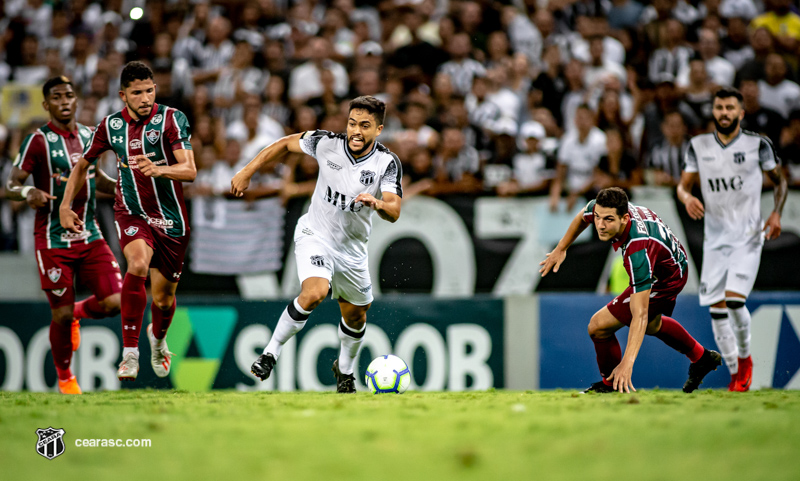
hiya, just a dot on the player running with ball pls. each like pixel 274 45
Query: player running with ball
pixel 656 263
pixel 357 176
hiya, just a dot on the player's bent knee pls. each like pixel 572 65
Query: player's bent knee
pixel 163 301
pixel 138 266
pixel 734 304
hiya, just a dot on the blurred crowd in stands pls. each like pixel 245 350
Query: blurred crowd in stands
pixel 555 98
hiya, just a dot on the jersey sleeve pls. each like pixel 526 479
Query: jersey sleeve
pixel 767 158
pixel 177 132
pixel 311 139
pixel 690 159
pixel 588 212
pixel 639 268
pixel 32 148
pixel 393 177
pixel 98 142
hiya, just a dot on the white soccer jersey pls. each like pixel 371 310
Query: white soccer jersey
pixel 730 179
pixel 333 216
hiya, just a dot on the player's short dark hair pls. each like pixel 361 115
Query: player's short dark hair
pixel 54 81
pixel 615 198
pixel 728 92
pixel 372 105
pixel 134 71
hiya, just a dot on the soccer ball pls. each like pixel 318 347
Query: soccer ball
pixel 387 374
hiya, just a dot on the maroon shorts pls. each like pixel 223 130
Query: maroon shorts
pixel 661 302
pixel 94 263
pixel 168 252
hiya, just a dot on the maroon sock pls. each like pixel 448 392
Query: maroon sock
pixel 676 337
pixel 89 308
pixel 609 354
pixel 162 319
pixel 61 346
pixel 134 300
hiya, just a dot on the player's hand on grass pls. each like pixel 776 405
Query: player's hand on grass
pixel 70 220
pixel 621 377
pixel 773 226
pixel 240 183
pixel 553 261
pixel 38 198
pixel 695 208
pixel 368 200
pixel 147 167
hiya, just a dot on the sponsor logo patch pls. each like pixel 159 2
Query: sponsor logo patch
pixel 116 139
pixel 334 166
pixel 131 231
pixel 153 136
pixel 156 119
pixel 116 124
pixel 136 144
pixel 307 231
pixel 54 274
pixel 71 236
pixel 52 137
pixel 364 290
pixel 59 292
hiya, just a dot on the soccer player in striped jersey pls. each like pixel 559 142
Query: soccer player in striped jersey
pixel 656 263
pixel 151 143
pixel 49 155
pixel 357 176
pixel 730 165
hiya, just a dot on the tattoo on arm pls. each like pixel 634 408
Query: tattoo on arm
pixel 781 187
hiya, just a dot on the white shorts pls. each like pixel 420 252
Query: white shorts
pixel 348 277
pixel 729 268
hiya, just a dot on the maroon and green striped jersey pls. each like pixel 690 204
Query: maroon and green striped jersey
pixel 653 257
pixel 158 201
pixel 48 155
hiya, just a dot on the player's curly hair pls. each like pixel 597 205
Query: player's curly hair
pixel 53 82
pixel 372 105
pixel 615 198
pixel 134 71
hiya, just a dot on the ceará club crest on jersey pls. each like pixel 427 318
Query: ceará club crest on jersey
pixel 367 177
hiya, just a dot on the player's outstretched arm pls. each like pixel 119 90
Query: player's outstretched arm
pixel 183 170
pixel 693 205
pixel 773 224
pixel 388 208
pixel 556 257
pixel 17 190
pixel 271 153
pixel 69 219
pixel 622 374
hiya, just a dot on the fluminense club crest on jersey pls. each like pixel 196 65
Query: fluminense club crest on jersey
pixel 367 177
pixel 131 231
pixel 54 274
pixel 153 135
pixel 738 157
pixel 116 124
pixel 50 443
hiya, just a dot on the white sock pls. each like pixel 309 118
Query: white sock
pixel 126 350
pixel 726 341
pixel 292 321
pixel 740 319
pixel 351 344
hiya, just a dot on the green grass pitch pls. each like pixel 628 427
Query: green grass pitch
pixel 502 435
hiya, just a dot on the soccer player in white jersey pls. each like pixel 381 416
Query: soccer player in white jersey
pixel 357 175
pixel 729 164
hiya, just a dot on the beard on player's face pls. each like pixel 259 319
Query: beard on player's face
pixel 730 127
pixel 365 143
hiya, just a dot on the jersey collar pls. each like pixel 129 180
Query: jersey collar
pixel 716 137
pixel 617 242
pixel 60 132
pixel 353 159
pixel 130 120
